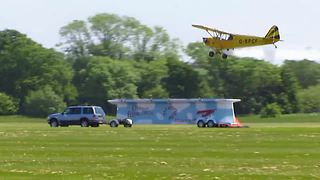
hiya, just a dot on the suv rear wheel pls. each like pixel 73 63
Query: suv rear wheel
pixel 84 123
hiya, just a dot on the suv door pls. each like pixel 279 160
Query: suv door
pixel 87 112
pixel 71 116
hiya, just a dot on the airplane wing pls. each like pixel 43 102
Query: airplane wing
pixel 208 29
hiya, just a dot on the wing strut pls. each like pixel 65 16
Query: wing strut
pixel 210 33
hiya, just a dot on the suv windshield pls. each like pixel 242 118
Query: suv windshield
pixel 99 110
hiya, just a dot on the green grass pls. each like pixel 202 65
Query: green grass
pixel 290 118
pixel 30 149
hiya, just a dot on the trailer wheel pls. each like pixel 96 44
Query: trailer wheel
pixel 113 124
pixel 127 125
pixel 210 124
pixel 201 124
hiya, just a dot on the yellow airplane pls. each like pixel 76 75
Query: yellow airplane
pixel 222 42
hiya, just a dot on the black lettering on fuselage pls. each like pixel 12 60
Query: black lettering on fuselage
pixel 248 41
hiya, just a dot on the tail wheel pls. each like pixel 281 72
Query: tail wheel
pixel 211 53
pixel 210 124
pixel 84 123
pixel 54 123
pixel 201 124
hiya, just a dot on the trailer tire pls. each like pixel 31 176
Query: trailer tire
pixel 113 124
pixel 201 124
pixel 210 124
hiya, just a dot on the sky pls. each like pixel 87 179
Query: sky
pixel 297 20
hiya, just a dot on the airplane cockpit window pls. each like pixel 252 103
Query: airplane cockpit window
pixel 225 36
pixel 221 36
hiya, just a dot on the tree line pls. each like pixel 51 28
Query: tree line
pixel 109 56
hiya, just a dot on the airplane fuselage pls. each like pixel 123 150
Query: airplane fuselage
pixel 237 41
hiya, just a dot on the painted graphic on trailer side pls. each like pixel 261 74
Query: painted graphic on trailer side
pixel 175 113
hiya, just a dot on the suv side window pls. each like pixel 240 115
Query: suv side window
pixel 88 110
pixel 74 111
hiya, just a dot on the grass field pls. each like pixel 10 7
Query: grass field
pixel 283 148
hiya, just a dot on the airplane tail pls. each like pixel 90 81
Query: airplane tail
pixel 274 34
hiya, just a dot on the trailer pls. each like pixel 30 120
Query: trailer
pixel 202 112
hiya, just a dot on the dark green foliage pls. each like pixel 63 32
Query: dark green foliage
pixel 307 72
pixel 7 105
pixel 103 79
pixel 151 74
pixel 182 80
pixel 43 102
pixel 26 66
pixel 257 83
pixel 110 56
pixel 288 99
pixel 270 110
pixel 116 37
pixel 310 99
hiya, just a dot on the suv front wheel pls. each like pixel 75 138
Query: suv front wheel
pixel 54 123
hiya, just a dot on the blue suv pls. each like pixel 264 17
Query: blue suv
pixel 84 116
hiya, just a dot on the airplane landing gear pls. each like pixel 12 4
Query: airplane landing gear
pixel 211 53
pixel 224 56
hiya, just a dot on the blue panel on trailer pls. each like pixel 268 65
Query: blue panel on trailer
pixel 175 111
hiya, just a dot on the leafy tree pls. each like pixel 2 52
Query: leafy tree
pixel 77 38
pixel 182 80
pixel 105 79
pixel 309 99
pixel 307 72
pixel 270 110
pixel 288 91
pixel 111 33
pixel 7 105
pixel 43 102
pixel 151 75
pixel 256 82
pixel 118 38
pixel 199 53
pixel 26 66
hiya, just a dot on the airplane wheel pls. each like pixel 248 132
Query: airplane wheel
pixel 211 53
pixel 224 56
